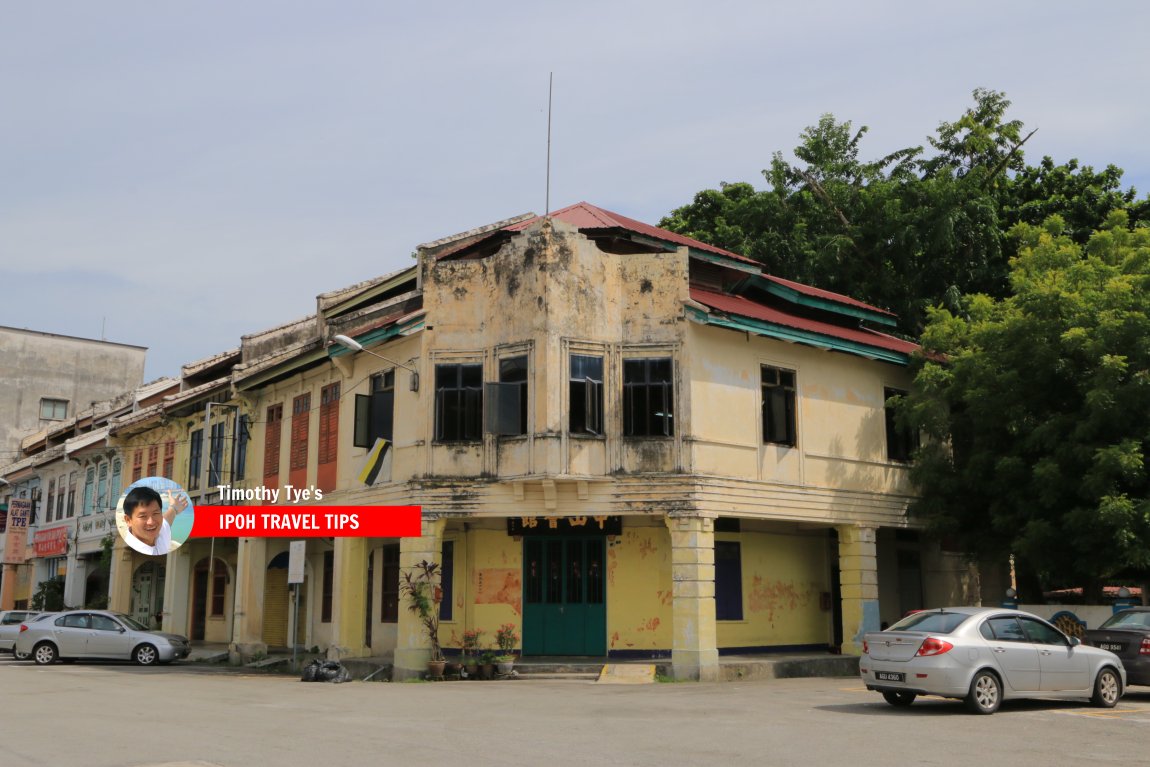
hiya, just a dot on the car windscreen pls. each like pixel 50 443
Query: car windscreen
pixel 131 622
pixel 935 622
pixel 1133 619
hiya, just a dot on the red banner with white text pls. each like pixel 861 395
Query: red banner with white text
pixel 306 522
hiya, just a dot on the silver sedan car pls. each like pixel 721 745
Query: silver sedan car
pixel 98 634
pixel 983 656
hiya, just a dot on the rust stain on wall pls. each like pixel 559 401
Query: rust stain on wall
pixel 499 586
pixel 775 597
pixel 614 638
pixel 612 563
pixel 651 624
pixel 646 546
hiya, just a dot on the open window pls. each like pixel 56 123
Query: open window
pixel 458 402
pixel 648 397
pixel 507 400
pixel 586 395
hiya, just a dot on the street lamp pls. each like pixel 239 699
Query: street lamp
pixel 356 346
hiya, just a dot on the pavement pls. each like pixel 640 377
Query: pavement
pixel 732 667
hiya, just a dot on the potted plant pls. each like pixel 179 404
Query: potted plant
pixel 487 664
pixel 470 650
pixel 420 586
pixel 506 637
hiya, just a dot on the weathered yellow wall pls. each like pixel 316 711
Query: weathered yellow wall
pixel 639 586
pixel 783 576
pixel 493 587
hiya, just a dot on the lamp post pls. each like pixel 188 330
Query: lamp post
pixel 355 346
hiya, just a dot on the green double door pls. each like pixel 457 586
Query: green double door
pixel 564 590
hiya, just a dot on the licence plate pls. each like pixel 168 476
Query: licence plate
pixel 889 676
pixel 1111 646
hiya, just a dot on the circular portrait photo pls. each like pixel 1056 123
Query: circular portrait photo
pixel 154 516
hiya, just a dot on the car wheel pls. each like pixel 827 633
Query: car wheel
pixel 44 653
pixel 985 693
pixel 901 699
pixel 146 655
pixel 1107 689
pixel 21 655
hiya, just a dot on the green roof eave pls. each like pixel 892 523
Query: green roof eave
pixel 296 364
pixel 379 335
pixel 794 335
pixel 826 305
pixel 727 261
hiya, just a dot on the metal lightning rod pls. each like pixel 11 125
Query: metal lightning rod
pixel 547 204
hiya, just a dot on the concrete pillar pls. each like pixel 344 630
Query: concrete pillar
pixel 412 650
pixel 8 587
pixel 858 572
pixel 349 613
pixel 120 577
pixel 248 601
pixel 177 586
pixel 75 579
pixel 694 648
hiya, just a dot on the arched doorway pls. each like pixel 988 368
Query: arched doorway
pixel 279 606
pixel 147 602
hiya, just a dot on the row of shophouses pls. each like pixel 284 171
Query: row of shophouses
pixel 625 442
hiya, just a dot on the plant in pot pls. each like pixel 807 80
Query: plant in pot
pixel 506 637
pixel 487 665
pixel 470 650
pixel 420 586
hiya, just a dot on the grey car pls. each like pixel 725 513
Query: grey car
pixel 1127 635
pixel 98 634
pixel 983 656
pixel 10 623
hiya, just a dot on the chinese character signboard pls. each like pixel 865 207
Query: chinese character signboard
pixel 19 511
pixel 563 526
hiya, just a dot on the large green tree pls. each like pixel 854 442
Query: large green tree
pixel 912 229
pixel 1038 409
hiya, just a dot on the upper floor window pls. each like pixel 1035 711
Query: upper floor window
pixel 195 458
pixel 375 412
pixel 778 405
pixel 458 402
pixel 507 400
pixel 586 395
pixel 648 398
pixel 901 442
pixel 53 409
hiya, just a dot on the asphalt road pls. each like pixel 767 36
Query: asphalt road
pixel 107 715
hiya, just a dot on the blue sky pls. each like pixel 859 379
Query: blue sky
pixel 175 175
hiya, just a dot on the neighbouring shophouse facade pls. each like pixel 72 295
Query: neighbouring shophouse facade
pixel 624 442
pixel 71 476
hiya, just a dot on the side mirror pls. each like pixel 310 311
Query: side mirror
pixel 121 629
pixel 1075 641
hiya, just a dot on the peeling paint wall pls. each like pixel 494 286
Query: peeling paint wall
pixel 783 578
pixel 639 613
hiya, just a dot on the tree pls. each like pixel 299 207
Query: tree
pixel 1038 410
pixel 906 231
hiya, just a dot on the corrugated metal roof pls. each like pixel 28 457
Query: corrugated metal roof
pixel 744 307
pixel 825 294
pixel 584 215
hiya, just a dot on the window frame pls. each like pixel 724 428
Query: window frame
pixel 633 390
pixel 56 407
pixel 466 389
pixel 779 391
pixel 901 443
pixel 583 387
pixel 505 414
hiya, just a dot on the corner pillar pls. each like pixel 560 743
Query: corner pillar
pixel 412 650
pixel 694 647
pixel 177 584
pixel 248 601
pixel 858 573
pixel 120 577
pixel 349 613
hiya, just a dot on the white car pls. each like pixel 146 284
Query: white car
pixel 10 621
pixel 983 656
pixel 101 634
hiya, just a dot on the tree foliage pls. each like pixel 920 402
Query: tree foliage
pixel 1038 409
pixel 910 230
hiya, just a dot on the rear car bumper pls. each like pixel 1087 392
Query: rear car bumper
pixel 946 680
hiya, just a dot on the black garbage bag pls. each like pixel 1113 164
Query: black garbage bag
pixel 333 671
pixel 311 671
